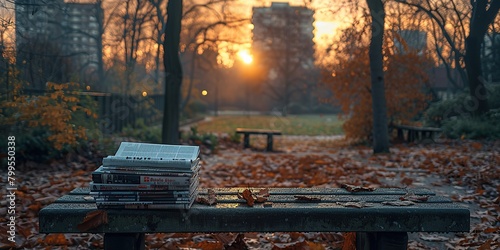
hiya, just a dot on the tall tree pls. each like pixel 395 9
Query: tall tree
pixel 173 73
pixel 380 131
pixel 482 15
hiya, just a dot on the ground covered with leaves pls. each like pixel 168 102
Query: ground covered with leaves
pixel 466 171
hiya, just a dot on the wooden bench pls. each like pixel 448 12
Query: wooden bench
pixel 378 225
pixel 415 133
pixel 247 132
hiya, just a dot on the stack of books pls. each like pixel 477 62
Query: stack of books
pixel 147 176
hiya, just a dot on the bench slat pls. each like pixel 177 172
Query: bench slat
pixel 301 217
pixel 302 191
pixel 278 198
pixel 283 214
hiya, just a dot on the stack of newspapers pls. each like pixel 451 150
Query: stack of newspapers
pixel 147 176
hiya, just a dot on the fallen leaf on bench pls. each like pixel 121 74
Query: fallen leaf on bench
pixel 247 196
pixel 210 200
pixel 398 203
pixel 93 220
pixel 352 188
pixel 261 197
pixel 251 198
pixel 414 198
pixel 306 198
pixel 355 204
pixel 264 192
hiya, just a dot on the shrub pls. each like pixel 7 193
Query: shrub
pixel 47 125
pixel 207 139
pixel 438 112
pixel 454 116
pixel 141 132
pixel 472 128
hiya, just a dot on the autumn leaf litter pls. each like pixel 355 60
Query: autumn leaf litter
pixel 466 171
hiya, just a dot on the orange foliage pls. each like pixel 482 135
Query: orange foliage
pixel 52 111
pixel 349 79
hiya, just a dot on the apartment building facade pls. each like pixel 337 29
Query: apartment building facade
pixel 57 41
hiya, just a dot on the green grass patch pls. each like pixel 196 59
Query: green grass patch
pixel 290 125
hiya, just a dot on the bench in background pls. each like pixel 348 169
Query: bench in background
pixel 247 132
pixel 378 225
pixel 414 133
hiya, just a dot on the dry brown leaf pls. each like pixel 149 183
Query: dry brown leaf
pixel 414 198
pixel 398 203
pixel 492 230
pixel 315 245
pixel 25 231
pixel 264 192
pixel 93 220
pixel 360 204
pixel 407 181
pixel 247 196
pixel 260 199
pixel 237 244
pixel 486 245
pixel 210 200
pixel 306 198
pixel 225 238
pixel 56 239
pixel 349 241
pixel 298 245
pixel 209 245
pixel 35 207
pixel 353 188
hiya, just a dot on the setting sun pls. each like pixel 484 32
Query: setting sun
pixel 245 56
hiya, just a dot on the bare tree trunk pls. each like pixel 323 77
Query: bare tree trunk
pixel 380 130
pixel 482 16
pixel 477 90
pixel 173 70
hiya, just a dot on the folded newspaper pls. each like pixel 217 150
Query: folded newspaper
pixel 153 155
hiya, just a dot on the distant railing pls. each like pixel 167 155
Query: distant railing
pixel 117 111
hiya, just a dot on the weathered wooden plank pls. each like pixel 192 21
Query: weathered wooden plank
pixel 303 191
pixel 233 198
pixel 280 217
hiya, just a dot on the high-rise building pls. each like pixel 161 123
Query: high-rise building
pixel 83 24
pixel 56 40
